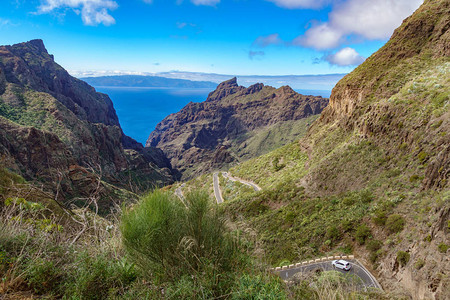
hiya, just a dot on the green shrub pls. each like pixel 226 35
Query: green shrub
pixel 414 178
pixel 373 256
pixel 395 223
pixel 333 233
pixel 258 287
pixel 443 247
pixel 349 201
pixel 169 240
pixel 366 196
pixel 42 275
pixel 256 207
pixel 347 225
pixel 362 233
pixel 380 217
pixel 422 156
pixel 374 245
pixel 403 258
pixel 419 264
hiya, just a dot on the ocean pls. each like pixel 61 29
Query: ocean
pixel 141 109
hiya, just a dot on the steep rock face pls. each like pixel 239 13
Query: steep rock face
pixel 211 134
pixel 424 36
pixel 38 96
pixel 29 65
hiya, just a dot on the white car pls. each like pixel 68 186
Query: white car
pixel 341 264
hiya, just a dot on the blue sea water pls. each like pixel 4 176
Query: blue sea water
pixel 141 109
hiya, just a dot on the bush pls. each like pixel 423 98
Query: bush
pixel 443 247
pixel 258 287
pixel 380 218
pixel 170 240
pixel 366 196
pixel 403 258
pixel 374 255
pixel 42 276
pixel 419 264
pixel 98 277
pixel 395 223
pixel 422 156
pixel 348 225
pixel 333 233
pixel 374 245
pixel 362 233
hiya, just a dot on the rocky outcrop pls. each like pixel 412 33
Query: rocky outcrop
pixel 205 136
pixel 56 126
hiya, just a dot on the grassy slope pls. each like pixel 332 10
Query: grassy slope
pixel 364 168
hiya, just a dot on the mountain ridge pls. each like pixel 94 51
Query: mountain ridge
pixel 75 127
pixel 214 133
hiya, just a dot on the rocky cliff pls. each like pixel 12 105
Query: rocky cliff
pixel 53 124
pixel 232 124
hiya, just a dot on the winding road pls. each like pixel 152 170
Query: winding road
pixel 367 279
pixel 250 184
pixel 179 192
pixel 217 191
pixel 216 185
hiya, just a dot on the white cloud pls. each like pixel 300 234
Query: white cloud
pixel 264 41
pixel 292 4
pixel 370 19
pixel 345 57
pixel 93 12
pixel 205 2
pixel 320 37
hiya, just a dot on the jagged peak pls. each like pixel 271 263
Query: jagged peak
pixel 228 83
pixel 255 88
pixel 224 89
pixel 37 44
pixel 285 89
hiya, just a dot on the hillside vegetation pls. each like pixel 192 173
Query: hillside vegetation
pixel 371 175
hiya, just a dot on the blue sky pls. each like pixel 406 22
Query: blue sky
pixel 242 37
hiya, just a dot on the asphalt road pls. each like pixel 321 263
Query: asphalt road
pixel 367 280
pixel 217 192
pixel 251 184
pixel 179 192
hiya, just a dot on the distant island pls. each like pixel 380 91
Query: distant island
pixel 146 81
